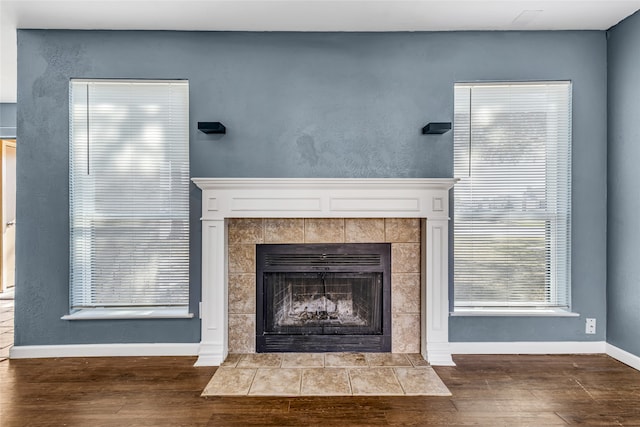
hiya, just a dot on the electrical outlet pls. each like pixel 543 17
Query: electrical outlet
pixel 590 327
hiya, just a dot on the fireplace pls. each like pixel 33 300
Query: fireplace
pixel 223 199
pixel 323 297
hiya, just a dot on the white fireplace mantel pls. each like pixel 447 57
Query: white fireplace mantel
pixel 224 198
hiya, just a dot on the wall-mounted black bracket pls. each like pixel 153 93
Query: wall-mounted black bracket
pixel 436 128
pixel 211 127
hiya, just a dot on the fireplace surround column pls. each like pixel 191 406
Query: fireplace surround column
pixel 435 298
pixel 325 198
pixel 213 309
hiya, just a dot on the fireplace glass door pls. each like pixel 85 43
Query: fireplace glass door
pixel 323 303
pixel 323 297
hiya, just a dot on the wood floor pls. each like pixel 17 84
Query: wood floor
pixel 487 390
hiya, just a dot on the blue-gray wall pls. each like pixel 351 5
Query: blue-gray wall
pixel 623 278
pixel 8 120
pixel 297 105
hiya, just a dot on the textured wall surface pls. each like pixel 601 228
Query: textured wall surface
pixel 623 239
pixel 296 105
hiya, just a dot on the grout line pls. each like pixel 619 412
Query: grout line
pixel 393 370
pixel 384 230
pixel 349 378
pixel 411 362
pixel 408 360
pixel 255 372
pixel 240 359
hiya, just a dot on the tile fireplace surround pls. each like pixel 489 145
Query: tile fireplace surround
pixel 311 205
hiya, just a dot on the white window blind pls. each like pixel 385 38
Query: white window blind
pixel 512 206
pixel 129 194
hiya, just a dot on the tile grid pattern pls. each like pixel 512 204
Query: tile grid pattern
pixel 325 374
pixel 6 323
pixel 402 233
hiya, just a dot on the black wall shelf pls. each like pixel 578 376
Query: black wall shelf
pixel 211 127
pixel 436 128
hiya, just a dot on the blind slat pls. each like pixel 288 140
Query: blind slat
pixel 129 204
pixel 512 153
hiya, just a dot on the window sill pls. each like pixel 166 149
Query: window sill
pixel 130 313
pixel 513 312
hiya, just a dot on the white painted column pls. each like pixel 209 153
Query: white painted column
pixel 213 310
pixel 435 303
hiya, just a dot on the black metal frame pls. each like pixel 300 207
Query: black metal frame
pixel 212 127
pixel 436 128
pixel 364 341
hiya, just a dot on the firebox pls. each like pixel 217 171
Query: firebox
pixel 323 297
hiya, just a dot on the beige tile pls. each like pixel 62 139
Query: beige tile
pixel 416 359
pixel 405 258
pixel 6 340
pixel 344 360
pixel 260 360
pixel 421 381
pixel 405 333
pixel 260 376
pixel 325 382
pixel 402 230
pixel 231 361
pixel 242 259
pixel 302 360
pixel 324 230
pixel 284 230
pixel 230 382
pixel 405 296
pixel 276 382
pixel 374 382
pixel 387 360
pixel 245 230
pixel 242 333
pixel 242 293
pixel 364 230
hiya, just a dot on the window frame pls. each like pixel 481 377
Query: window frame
pixel 530 309
pixel 129 310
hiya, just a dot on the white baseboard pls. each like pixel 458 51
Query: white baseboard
pixel 211 354
pixel 103 350
pixel 191 349
pixel 529 347
pixel 623 356
pixel 438 354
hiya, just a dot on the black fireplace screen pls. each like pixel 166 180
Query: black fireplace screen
pixel 330 297
pixel 323 303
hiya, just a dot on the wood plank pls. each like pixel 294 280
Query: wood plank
pixel 165 391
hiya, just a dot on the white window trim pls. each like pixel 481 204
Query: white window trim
pixel 130 313
pixel 513 312
pixel 525 311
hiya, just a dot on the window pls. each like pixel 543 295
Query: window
pixel 129 198
pixel 512 206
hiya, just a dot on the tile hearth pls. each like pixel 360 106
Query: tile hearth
pixel 325 374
